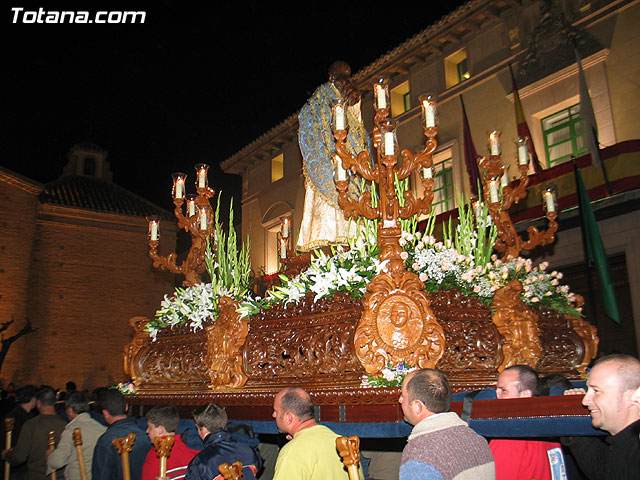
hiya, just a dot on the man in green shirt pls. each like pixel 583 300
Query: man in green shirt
pixel 311 453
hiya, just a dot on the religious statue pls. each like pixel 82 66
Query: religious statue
pixel 323 222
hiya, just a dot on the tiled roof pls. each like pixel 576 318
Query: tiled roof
pixel 97 195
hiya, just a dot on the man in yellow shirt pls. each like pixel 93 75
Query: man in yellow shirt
pixel 311 453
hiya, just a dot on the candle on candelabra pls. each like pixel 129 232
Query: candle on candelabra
pixel 523 152
pixel 494 196
pixel 389 143
pixel 338 116
pixel 494 143
pixel 504 179
pixel 381 97
pixel 284 228
pixel 549 200
pixel 191 205
pixel 380 93
pixel 427 172
pixel 341 173
pixel 154 228
pixel 178 184
pixel 202 169
pixel 477 208
pixel 283 248
pixel 428 103
pixel 204 219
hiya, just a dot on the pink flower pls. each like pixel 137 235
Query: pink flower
pixel 424 277
pixel 404 255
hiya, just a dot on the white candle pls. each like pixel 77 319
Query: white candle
pixel 381 97
pixel 204 220
pixel 153 228
pixel 341 173
pixel 339 112
pixel 504 179
pixel 477 209
pixel 549 202
pixel 389 143
pixel 494 143
pixel 283 248
pixel 523 154
pixel 430 114
pixel 179 193
pixel 191 208
pixel 427 172
pixel 285 228
pixel 493 192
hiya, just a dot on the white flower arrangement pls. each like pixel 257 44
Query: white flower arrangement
pixel 125 388
pixel 392 376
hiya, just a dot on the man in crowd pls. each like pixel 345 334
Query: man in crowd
pixel 219 447
pixel 441 446
pixel 107 463
pixel 522 459
pixel 311 453
pixel 34 437
pixel 611 384
pixel 23 411
pixel 162 421
pixel 76 408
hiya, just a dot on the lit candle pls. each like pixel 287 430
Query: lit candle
pixel 154 229
pixel 339 114
pixel 427 172
pixel 494 143
pixel 284 231
pixel 204 219
pixel 381 97
pixel 549 201
pixel 191 205
pixel 523 153
pixel 493 192
pixel 477 208
pixel 428 110
pixel 389 143
pixel 180 188
pixel 504 179
pixel 283 248
pixel 341 173
pixel 202 169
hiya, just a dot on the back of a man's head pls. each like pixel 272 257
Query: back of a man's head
pixel 628 371
pixel 113 402
pixel 210 416
pixel 70 387
pixel 26 394
pixel 527 377
pixel 431 387
pixel 78 402
pixel 299 402
pixel 166 416
pixel 46 396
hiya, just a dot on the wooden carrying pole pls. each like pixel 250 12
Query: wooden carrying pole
pixel 77 441
pixel 349 450
pixel 233 472
pixel 124 446
pixel 52 447
pixel 163 450
pixel 8 426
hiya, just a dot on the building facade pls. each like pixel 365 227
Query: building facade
pixel 467 55
pixel 75 264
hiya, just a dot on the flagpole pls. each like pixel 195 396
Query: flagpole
pixel 587 262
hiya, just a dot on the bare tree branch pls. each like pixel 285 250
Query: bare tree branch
pixel 7 342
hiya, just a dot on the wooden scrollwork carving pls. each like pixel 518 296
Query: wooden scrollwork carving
pixel 587 333
pixel 140 339
pixel 518 325
pixel 397 325
pixel 225 339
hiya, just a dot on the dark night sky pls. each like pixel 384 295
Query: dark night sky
pixel 195 83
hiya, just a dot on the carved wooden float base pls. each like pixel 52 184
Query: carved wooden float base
pixel 311 345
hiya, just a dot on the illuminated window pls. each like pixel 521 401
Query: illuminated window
pixel 400 99
pixel 564 135
pixel 277 168
pixel 443 196
pixel 456 68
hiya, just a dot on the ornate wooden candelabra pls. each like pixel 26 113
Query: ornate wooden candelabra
pixel 500 195
pixel 397 323
pixel 197 219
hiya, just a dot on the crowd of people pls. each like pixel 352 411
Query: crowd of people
pixel 441 444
